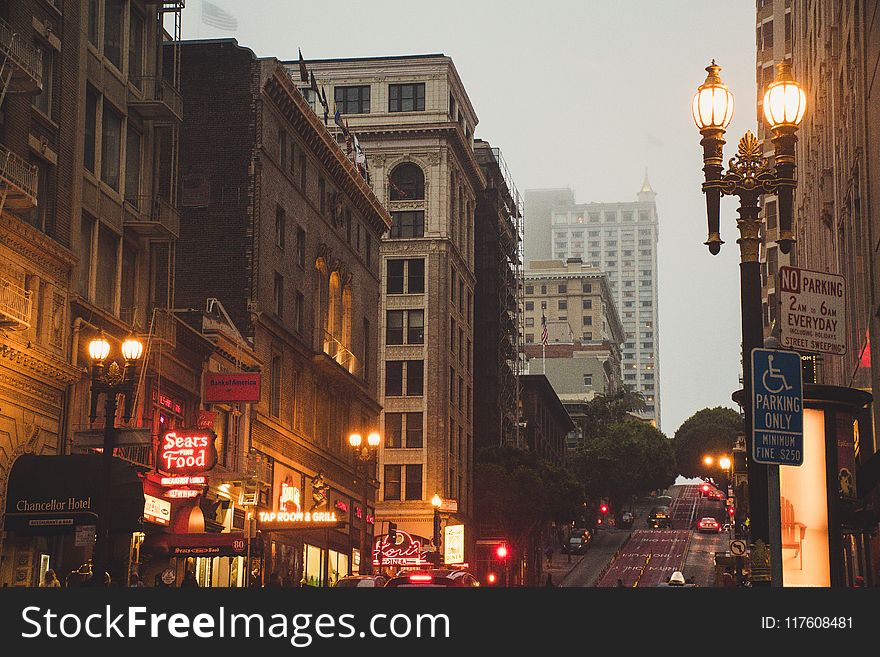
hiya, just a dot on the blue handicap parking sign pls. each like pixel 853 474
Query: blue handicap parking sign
pixel 777 407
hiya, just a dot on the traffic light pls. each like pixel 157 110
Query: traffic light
pixel 705 488
pixel 502 552
pixel 603 508
pixel 492 578
pixel 731 511
pixel 392 533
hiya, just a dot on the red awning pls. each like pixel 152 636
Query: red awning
pixel 229 544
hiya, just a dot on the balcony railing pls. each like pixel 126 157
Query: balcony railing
pixel 156 99
pixel 27 72
pixel 338 352
pixel 15 306
pixel 152 216
pixel 18 180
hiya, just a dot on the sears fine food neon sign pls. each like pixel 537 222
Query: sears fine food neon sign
pixel 187 451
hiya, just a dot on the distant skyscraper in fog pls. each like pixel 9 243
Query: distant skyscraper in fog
pixel 539 205
pixel 621 240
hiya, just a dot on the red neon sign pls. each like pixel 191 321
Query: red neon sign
pixel 197 480
pixel 187 451
pixel 342 506
pixel 408 550
pixel 180 493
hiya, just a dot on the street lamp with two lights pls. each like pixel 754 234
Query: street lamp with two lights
pixel 365 453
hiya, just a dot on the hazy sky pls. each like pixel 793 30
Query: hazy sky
pixel 581 93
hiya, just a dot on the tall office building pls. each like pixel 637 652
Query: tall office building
pixel 621 240
pixel 414 120
pixel 537 210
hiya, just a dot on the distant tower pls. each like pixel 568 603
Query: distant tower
pixel 647 193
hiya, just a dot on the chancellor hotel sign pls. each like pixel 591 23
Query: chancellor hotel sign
pixel 53 505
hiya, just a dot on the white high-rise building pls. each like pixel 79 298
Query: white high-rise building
pixel 621 240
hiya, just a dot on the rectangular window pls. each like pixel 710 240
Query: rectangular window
pixel 415 276
pixel 111 145
pixel 588 379
pixel 114 12
pixel 530 305
pixel 282 149
pixel 451 386
pixel 588 304
pixel 394 327
pixel 530 289
pixel 91 133
pixel 391 482
pixel 301 247
pixel 278 294
pixel 93 22
pixel 415 327
pixel 415 378
pixel 322 195
pixel 770 214
pixel 530 322
pixel 43 100
pixel 135 47
pixel 128 294
pixel 352 100
pixel 393 430
pixel 414 430
pixel 406 97
pixel 280 221
pixel 563 288
pixel 132 166
pixel 275 388
pixel 408 224
pixel 105 273
pixel 587 287
pixel 300 312
pixel 394 378
pixel 369 250
pixel 563 304
pixel 414 481
pixel 588 320
pixel 395 279
pixel 303 172
pixel 366 350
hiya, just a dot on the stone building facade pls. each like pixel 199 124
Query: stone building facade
pixel 415 122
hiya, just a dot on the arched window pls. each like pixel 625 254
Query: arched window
pixel 407 183
pixel 334 310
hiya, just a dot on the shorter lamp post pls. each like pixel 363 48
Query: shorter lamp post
pixel 365 453
pixel 436 502
pixel 111 383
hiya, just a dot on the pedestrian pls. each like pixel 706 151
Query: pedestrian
pixel 548 552
pixel 550 580
pixel 135 581
pixel 275 580
pixel 189 579
pixel 50 580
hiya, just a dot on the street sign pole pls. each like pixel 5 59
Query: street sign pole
pixel 777 404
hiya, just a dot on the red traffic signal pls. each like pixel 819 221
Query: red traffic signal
pixel 730 511
pixel 502 552
pixel 492 578
pixel 603 508
pixel 705 488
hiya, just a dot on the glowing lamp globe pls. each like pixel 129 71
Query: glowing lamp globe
pixel 724 462
pixel 784 101
pixel 132 349
pixel 99 348
pixel 373 439
pixel 355 440
pixel 436 501
pixel 713 102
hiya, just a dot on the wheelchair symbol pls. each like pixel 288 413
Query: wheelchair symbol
pixel 776 375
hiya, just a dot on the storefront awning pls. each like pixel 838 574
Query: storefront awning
pixel 55 494
pixel 228 544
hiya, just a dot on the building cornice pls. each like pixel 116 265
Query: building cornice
pixel 36 246
pixel 46 369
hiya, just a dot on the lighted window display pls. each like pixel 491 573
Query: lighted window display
pixel 338 567
pixel 804 510
pixel 313 565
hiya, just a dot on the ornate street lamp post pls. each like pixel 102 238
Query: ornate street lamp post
pixel 748 176
pixel 365 454
pixel 436 502
pixel 110 383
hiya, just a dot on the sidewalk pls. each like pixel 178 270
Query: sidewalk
pixel 559 567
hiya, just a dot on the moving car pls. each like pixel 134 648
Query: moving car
pixel 360 581
pixel 575 545
pixel 709 525
pixel 435 577
pixel 659 517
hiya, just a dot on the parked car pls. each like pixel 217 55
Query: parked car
pixel 360 581
pixel 708 525
pixel 659 517
pixel 435 577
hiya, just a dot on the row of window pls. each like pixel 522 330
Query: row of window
pixel 609 216
pixel 355 99
pixel 464 294
pixel 562 288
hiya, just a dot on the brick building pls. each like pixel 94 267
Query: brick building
pixel 281 228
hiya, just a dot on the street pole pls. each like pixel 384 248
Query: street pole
pixel 101 562
pixel 437 537
pixel 364 570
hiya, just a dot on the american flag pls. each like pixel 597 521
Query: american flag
pixel 216 17
pixel 544 337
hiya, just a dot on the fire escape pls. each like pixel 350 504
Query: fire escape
pixel 20 73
